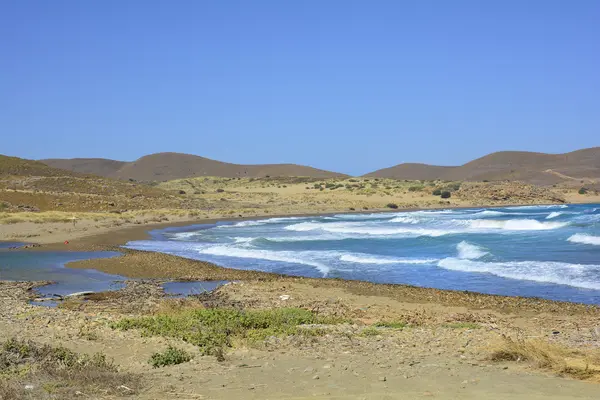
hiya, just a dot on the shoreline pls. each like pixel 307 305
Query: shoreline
pixel 119 236
pixel 139 264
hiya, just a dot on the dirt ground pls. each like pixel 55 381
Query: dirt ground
pixel 443 353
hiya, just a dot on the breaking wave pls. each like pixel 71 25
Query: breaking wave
pixel 585 239
pixel 370 259
pixel 517 224
pixel 583 276
pixel 468 251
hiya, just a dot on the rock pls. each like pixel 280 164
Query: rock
pixel 309 369
pixel 382 379
pixel 316 377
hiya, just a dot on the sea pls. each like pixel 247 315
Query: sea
pixel 551 252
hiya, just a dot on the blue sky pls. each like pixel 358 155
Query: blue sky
pixel 350 86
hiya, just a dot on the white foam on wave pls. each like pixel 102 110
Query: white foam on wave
pixel 516 224
pixel 243 223
pixel 584 239
pixel 372 259
pixel 488 213
pixel 242 240
pixel 183 235
pixel 468 251
pixel 539 206
pixel 584 276
pixel 349 228
pixel 554 214
pixel 260 222
pixel 405 220
pixel 294 257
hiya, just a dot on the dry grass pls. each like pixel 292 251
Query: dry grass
pixel 32 371
pixel 551 357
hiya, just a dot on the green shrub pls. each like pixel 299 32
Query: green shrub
pixel 392 205
pixel 171 356
pixel 415 188
pixel 446 194
pixel 391 324
pixel 370 331
pixel 220 190
pixel 437 192
pixel 213 329
pixel 583 191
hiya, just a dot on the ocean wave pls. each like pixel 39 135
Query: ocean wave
pixel 353 228
pixel 468 251
pixel 183 235
pixel 585 239
pixel 489 213
pixel 539 206
pixel 578 275
pixel 294 257
pixel 243 224
pixel 554 214
pixel 406 220
pixel 372 259
pixel 516 224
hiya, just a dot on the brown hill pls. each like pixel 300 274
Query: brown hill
pixel 96 166
pixel 536 168
pixel 168 166
pixel 33 185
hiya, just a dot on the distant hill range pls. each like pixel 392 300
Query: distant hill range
pixel 536 168
pixel 169 166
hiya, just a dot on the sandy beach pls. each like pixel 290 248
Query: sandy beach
pixel 445 343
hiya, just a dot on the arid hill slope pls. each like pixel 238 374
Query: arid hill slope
pixel 536 168
pixel 168 166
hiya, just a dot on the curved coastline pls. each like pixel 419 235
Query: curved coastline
pixel 137 264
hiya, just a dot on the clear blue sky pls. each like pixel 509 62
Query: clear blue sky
pixel 350 86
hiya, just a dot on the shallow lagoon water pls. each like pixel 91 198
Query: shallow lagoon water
pixel 50 266
pixel 551 252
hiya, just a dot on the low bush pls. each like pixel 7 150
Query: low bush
pixel 437 192
pixel 583 191
pixel 59 373
pixel 213 329
pixel 446 194
pixel 392 205
pixel 171 356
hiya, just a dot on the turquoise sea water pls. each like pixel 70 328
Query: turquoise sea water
pixel 544 251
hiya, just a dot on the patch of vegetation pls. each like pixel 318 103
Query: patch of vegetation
pixel 57 372
pixel 212 329
pixel 171 356
pixel 539 354
pixel 437 192
pixel 415 188
pixel 392 205
pixel 462 325
pixel 370 331
pixel 582 191
pixel 445 194
pixel 391 324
